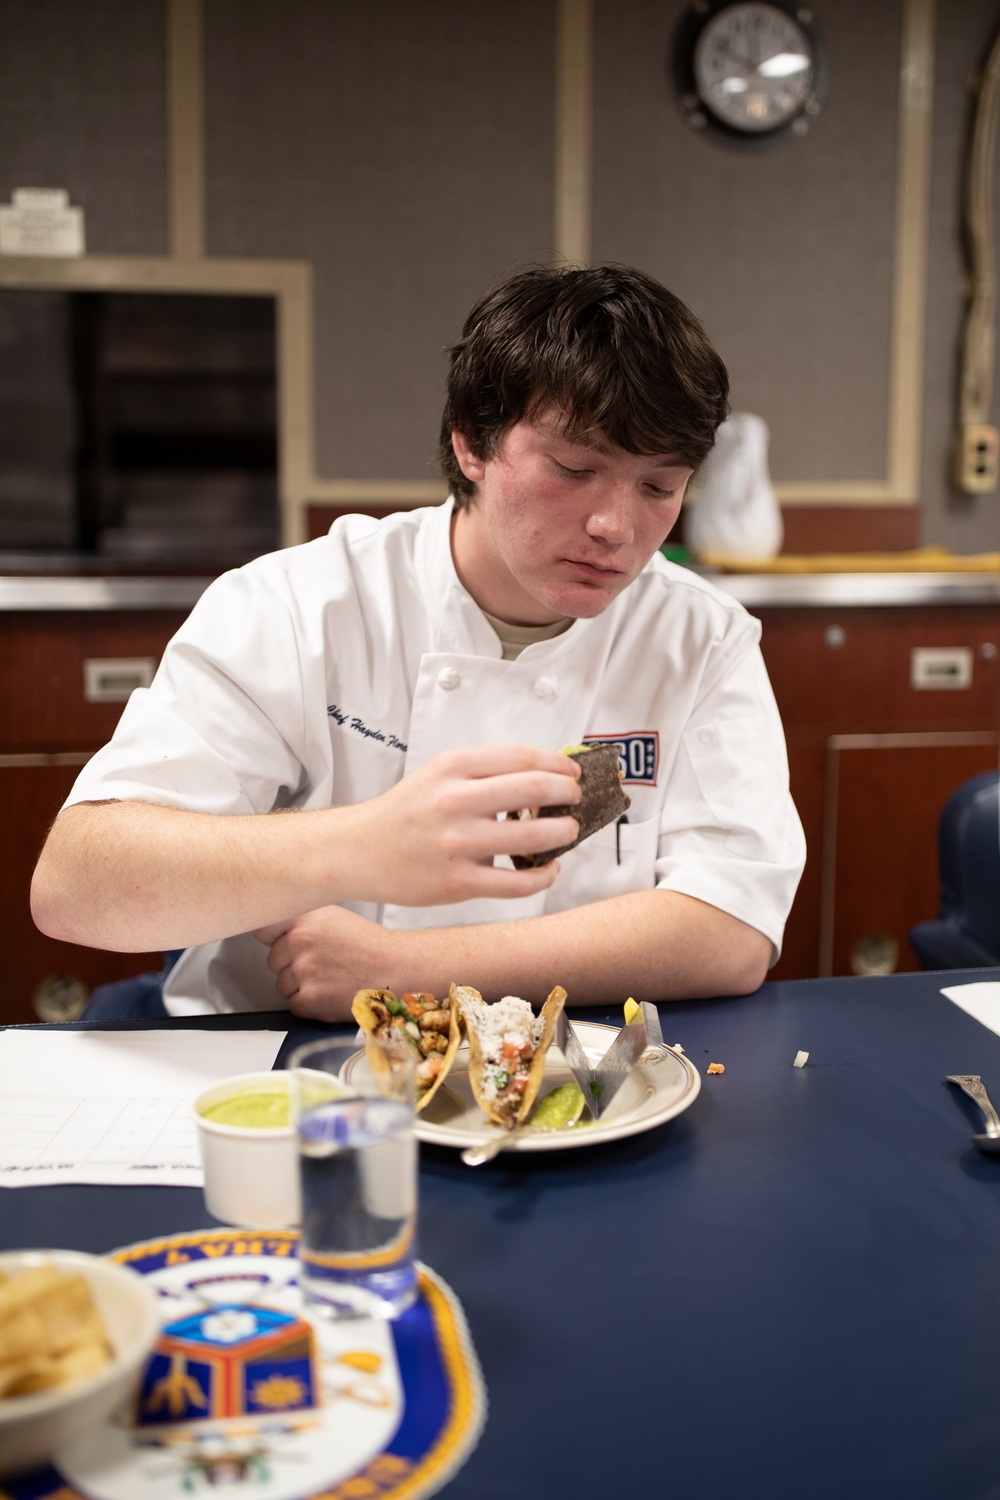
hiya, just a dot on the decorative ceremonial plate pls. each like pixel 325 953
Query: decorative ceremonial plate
pixel 244 1388
pixel 657 1089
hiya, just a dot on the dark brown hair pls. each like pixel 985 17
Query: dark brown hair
pixel 608 346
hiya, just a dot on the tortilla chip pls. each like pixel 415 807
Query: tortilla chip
pixel 367 1018
pixel 477 1061
pixel 70 1316
pixel 22 1290
pixel 22 1334
pixel 51 1331
pixel 602 800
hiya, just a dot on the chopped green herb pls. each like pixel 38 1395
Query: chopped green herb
pixel 501 1079
pixel 394 1008
pixel 596 1088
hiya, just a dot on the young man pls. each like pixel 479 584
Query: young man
pixel 399 684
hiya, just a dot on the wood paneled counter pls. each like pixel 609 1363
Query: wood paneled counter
pixel 69 650
pixel 873 757
pixel 889 691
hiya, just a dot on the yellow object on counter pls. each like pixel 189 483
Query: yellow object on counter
pixel 920 560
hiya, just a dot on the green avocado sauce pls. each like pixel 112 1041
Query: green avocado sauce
pixel 258 1109
pixel 560 1109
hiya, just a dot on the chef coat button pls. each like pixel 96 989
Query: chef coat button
pixel 448 679
pixel 706 736
pixel 546 688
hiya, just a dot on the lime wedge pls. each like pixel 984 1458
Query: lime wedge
pixel 561 1108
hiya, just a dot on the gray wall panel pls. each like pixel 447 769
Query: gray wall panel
pixel 406 150
pixel 966 523
pixel 82 106
pixel 785 254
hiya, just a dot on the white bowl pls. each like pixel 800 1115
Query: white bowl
pixel 34 1428
pixel 251 1173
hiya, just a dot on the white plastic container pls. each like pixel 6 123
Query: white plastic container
pixel 251 1172
pixel 33 1428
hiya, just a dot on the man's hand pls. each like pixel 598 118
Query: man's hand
pixel 322 959
pixel 432 838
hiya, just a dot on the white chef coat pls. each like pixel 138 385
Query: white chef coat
pixel 323 673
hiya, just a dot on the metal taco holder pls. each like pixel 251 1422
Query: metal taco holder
pixel 639 1041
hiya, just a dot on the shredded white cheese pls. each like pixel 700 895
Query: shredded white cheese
pixel 493 1024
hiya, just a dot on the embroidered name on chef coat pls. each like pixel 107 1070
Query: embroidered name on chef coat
pixel 347 720
pixel 638 754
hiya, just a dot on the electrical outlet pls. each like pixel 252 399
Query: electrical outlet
pixel 977 458
pixel 936 667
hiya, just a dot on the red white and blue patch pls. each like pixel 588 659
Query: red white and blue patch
pixel 638 754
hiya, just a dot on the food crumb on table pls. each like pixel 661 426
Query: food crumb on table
pixel 801 1058
pixel 716 1067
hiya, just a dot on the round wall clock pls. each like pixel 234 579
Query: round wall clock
pixel 751 72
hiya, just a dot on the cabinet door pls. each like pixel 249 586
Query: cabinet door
pixel 884 797
pixel 43 702
pixel 31 793
pixel 838 673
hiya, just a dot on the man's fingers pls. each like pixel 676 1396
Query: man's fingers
pixel 286 983
pixel 532 835
pixel 269 935
pixel 528 789
pixel 501 883
pixel 280 955
pixel 503 760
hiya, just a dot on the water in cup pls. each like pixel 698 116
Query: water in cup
pixel 357 1165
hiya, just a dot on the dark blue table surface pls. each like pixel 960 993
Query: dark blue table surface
pixel 791 1290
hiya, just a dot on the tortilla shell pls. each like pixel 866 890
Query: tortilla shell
pixel 602 800
pixel 364 1014
pixel 477 1061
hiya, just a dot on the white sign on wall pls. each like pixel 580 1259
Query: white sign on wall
pixel 40 221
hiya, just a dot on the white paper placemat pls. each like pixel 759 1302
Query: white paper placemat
pixel 980 1000
pixel 113 1106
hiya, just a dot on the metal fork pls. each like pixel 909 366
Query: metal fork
pixel 972 1084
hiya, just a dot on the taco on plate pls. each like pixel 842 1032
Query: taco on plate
pixel 507 1047
pixel 431 1026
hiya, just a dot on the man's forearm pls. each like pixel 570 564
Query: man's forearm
pixel 136 876
pixel 653 945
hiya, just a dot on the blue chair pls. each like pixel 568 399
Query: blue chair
pixel 135 999
pixel 967 932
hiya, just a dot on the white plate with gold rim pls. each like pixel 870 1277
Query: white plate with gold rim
pixel 655 1091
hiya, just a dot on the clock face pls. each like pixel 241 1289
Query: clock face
pixel 753 66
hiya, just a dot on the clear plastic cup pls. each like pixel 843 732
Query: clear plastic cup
pixel 354 1112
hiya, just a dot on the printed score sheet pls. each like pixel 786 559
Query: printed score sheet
pixel 113 1106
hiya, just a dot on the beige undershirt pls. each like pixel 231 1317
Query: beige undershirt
pixel 514 638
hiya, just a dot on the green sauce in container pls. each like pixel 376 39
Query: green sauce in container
pixel 253 1108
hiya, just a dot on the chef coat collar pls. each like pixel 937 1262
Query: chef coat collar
pixel 458 625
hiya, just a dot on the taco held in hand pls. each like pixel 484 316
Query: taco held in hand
pixel 602 800
pixel 507 1047
pixel 429 1025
